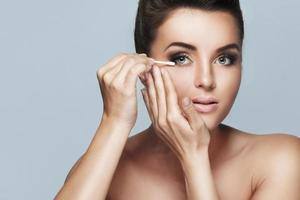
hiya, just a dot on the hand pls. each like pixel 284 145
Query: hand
pixel 117 80
pixel 181 128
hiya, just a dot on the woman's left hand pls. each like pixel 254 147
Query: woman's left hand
pixel 182 129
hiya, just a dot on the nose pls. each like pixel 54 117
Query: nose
pixel 204 76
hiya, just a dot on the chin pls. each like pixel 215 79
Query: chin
pixel 211 125
pixel 211 122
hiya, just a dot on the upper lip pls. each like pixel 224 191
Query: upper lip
pixel 204 99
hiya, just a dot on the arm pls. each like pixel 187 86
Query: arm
pixel 92 176
pixel 283 178
pixel 73 168
pixel 198 176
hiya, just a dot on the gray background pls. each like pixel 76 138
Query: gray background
pixel 50 103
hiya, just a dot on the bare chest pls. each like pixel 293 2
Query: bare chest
pixel 233 181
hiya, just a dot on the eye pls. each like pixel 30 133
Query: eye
pixel 180 59
pixel 226 59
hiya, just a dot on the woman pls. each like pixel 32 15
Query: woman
pixel 186 153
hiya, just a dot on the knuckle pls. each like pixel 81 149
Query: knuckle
pixel 139 57
pixel 162 123
pixel 171 118
pixel 145 59
pixel 155 122
pixel 106 77
pixel 143 54
pixel 130 60
pixel 115 86
pixel 99 73
pixel 134 70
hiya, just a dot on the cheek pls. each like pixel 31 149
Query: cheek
pixel 227 90
pixel 179 78
pixel 229 86
pixel 231 83
pixel 228 83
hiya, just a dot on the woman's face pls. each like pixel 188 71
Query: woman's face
pixel 206 49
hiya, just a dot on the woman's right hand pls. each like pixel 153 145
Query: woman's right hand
pixel 117 80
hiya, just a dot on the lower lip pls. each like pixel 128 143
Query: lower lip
pixel 206 108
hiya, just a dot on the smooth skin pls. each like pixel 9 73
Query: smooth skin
pixel 166 160
pixel 92 174
pixel 188 138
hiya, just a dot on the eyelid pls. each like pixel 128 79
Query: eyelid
pixel 178 54
pixel 178 62
pixel 228 54
pixel 232 56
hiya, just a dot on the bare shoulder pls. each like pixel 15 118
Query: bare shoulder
pixel 276 145
pixel 279 138
pixel 276 162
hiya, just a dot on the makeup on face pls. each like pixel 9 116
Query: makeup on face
pixel 229 53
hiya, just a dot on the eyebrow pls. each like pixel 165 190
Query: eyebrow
pixel 193 48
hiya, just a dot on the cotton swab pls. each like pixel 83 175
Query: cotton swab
pixel 164 62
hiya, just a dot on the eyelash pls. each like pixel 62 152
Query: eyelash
pixel 230 56
pixel 178 55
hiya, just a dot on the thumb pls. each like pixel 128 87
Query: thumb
pixel 190 112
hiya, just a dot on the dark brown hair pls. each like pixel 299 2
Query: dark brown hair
pixel 152 13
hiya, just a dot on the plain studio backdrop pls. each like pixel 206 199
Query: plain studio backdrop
pixel 50 103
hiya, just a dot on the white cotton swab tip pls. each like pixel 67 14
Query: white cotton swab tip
pixel 164 62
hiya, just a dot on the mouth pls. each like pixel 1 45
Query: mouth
pixel 205 104
pixel 206 108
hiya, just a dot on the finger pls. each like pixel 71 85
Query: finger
pixel 135 72
pixel 128 69
pixel 167 141
pixel 115 60
pixel 146 100
pixel 171 95
pixel 142 76
pixel 172 101
pixel 160 93
pixel 112 62
pixel 152 97
pixel 114 65
pixel 161 136
pixel 113 71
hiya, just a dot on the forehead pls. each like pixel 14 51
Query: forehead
pixel 205 29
